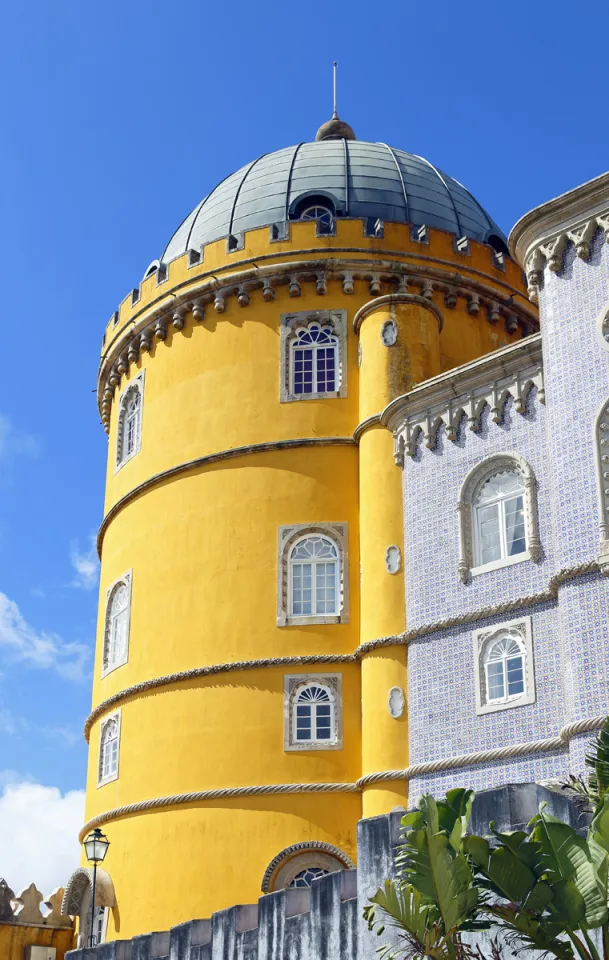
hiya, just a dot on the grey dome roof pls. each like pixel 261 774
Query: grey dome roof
pixel 360 179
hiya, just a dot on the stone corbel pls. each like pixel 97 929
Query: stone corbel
pixel 321 287
pixel 534 272
pixel 450 297
pixel 160 329
pixel 220 301
pixel 582 237
pixel 553 252
pixel 146 341
pixel 179 318
pixel 427 291
pixel 243 297
pixel 294 288
pixel 398 449
pixel 133 350
pixel 603 223
pixel 375 285
pixel 493 312
pixel 473 304
pixel 348 284
pixel 198 310
pixel 268 291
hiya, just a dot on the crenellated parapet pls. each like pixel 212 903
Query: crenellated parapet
pixel 24 908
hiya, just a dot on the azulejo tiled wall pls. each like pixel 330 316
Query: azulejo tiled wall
pixel 569 632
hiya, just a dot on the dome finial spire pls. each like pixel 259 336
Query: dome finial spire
pixel 334 67
pixel 335 128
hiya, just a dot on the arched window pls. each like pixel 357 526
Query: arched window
pixel 129 431
pixel 306 877
pixel 323 215
pixel 498 521
pixel 313 345
pixel 504 666
pixel 108 749
pixel 314 360
pixel 300 864
pixel 313 577
pixel 499 517
pixel 313 718
pixel 313 712
pixel 116 633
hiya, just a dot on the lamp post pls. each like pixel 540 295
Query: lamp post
pixel 96 847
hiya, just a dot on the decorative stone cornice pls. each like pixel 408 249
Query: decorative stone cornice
pixel 464 392
pixel 152 324
pixel 540 238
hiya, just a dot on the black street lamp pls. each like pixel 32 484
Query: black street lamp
pixel 96 847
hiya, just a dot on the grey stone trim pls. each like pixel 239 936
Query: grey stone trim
pixel 79 883
pixel 287 536
pixel 290 324
pixel 522 631
pixel 152 321
pixel 474 480
pixel 367 424
pixel 292 684
pixel 462 394
pixel 232 453
pixel 310 847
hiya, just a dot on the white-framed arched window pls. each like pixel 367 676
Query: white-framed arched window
pixel 312 574
pixel 323 216
pixel 129 428
pixel 504 666
pixel 109 741
pixel 117 623
pixel 313 712
pixel 314 360
pixel 313 355
pixel 313 571
pixel 498 520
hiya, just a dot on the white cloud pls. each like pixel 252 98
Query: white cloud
pixel 13 443
pixel 85 564
pixel 39 649
pixel 38 833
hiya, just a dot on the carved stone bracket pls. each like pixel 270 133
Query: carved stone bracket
pixel 550 253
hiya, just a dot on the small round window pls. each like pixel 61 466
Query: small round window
pixel 323 216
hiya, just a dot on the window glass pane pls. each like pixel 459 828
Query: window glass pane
pixel 515 676
pixel 500 485
pixel 495 678
pixel 488 533
pixel 514 526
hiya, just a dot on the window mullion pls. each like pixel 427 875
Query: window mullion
pixel 502 529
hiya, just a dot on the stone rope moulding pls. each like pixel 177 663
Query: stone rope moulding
pixel 399 639
pixel 414 770
pixel 154 321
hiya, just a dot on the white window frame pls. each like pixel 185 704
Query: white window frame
pixel 500 502
pixel 288 536
pixel 135 385
pixel 291 323
pixel 101 780
pixel 484 639
pixel 103 925
pixel 293 685
pixel 126 580
pixel 466 509
pixel 298 857
pixel 313 563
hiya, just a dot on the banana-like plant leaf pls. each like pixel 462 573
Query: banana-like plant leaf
pixel 537 933
pixel 598 759
pixel 405 910
pixel 567 857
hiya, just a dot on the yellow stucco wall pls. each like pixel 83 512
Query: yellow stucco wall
pixel 202 548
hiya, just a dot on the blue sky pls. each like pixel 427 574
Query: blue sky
pixel 116 119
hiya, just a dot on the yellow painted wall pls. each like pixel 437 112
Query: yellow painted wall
pixel 203 550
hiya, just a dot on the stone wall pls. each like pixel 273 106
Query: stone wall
pixel 324 922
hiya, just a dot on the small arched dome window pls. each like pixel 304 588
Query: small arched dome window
pixel 499 518
pixel 323 215
pixel 504 670
pixel 129 433
pixel 116 637
pixel 306 877
pixel 314 714
pixel 108 749
pixel 313 577
pixel 314 360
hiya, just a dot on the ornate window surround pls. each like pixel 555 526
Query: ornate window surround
pixel 521 630
pixel 287 537
pixel 292 685
pixel 109 719
pixel 289 862
pixel 601 456
pixel 135 385
pixel 290 323
pixel 127 581
pixel 474 480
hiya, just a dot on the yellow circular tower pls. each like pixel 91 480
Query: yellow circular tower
pixel 252 540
